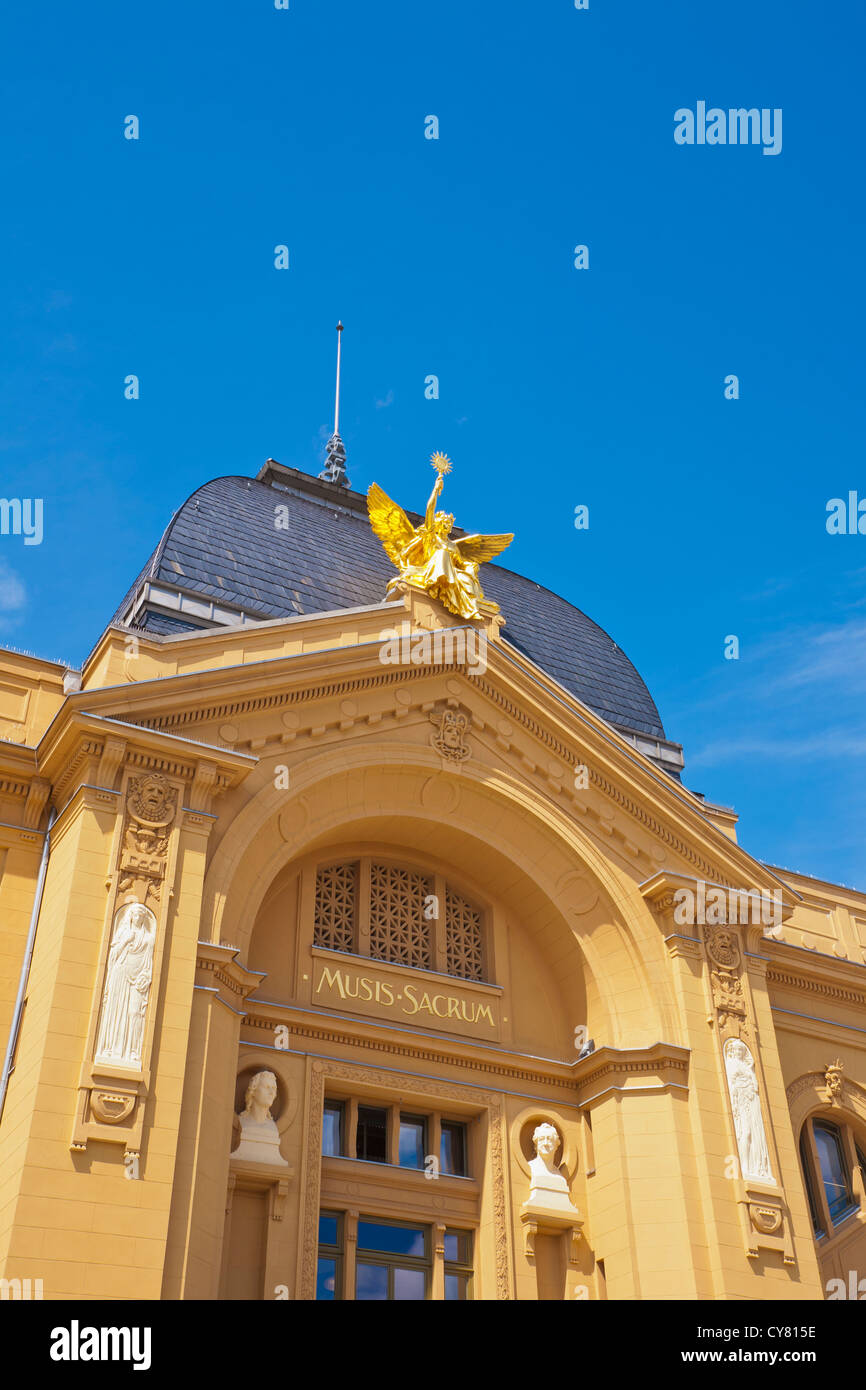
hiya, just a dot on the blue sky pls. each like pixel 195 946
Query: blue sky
pixel 455 257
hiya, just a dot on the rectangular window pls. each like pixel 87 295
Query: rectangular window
pixel 332 1128
pixel 372 1134
pixel 458 1265
pixel 329 1268
pixel 391 1238
pixel 413 1141
pixel 393 1262
pixel 452 1149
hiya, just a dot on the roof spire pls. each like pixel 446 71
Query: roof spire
pixel 334 470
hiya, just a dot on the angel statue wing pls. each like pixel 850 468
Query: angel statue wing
pixel 480 549
pixel 389 521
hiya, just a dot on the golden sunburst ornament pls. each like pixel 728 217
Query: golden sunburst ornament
pixel 442 463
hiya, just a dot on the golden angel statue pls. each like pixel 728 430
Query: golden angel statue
pixel 426 556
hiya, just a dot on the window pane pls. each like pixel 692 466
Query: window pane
pixel 327 1229
pixel 456 1287
pixel 326 1280
pixel 806 1162
pixel 332 1128
pixel 409 1284
pixel 457 1247
pixel 833 1171
pixel 452 1157
pixel 372 1134
pixel 398 1240
pixel 413 1142
pixel 372 1282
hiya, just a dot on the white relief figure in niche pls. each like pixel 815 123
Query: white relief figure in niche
pixel 260 1138
pixel 128 975
pixel 746 1107
pixel 548 1188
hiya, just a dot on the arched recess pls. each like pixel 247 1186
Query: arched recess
pixel 401 796
pixel 844 1247
pixel 528 949
pixel 807 1096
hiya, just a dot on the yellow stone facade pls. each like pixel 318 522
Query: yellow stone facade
pixel 217 777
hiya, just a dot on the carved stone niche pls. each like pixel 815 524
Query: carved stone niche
pixel 115 1073
pixel 259 1139
pixel 255 1163
pixel 113 1085
pixel 548 1210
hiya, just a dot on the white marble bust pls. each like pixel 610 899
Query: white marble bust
pixel 260 1138
pixel 548 1189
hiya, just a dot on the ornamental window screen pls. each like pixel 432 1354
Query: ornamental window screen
pixel 336 906
pixel 462 937
pixel 398 914
pixel 399 931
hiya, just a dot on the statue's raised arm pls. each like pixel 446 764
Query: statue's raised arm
pixel 430 514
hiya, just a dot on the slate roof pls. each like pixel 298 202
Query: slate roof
pixel 223 544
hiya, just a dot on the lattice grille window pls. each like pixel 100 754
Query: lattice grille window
pixel 399 931
pixel 462 937
pixel 336 906
pixel 402 915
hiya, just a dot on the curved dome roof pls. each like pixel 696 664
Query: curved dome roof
pixel 223 545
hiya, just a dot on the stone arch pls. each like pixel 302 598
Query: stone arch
pixel 807 1100
pixel 364 790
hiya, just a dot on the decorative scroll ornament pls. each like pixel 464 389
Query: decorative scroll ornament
pixel 766 1219
pixel 729 999
pixel 128 977
pixel 723 947
pixel 152 800
pixel 426 556
pixel 449 740
pixel 833 1082
pixel 746 1108
pixel 150 810
pixel 112 1107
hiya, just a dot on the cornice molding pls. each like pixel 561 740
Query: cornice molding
pixel 79 745
pixel 223 964
pixel 825 988
pixel 660 890
pixel 466 1054
pixel 576 1083
pixel 631 1071
pixel 290 681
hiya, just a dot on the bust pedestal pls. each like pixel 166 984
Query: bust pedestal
pixel 548 1210
pixel 260 1143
